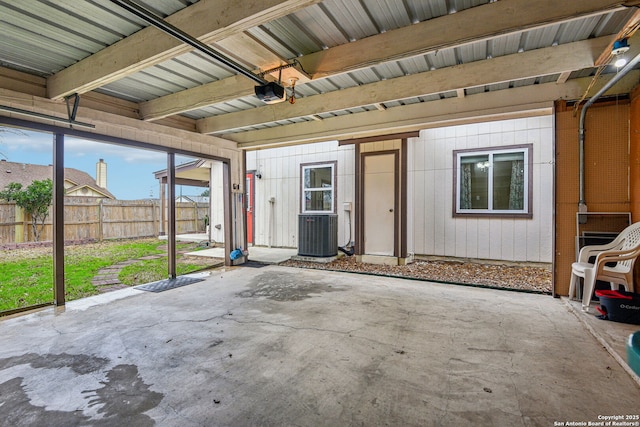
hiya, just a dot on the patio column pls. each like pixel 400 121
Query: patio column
pixel 58 219
pixel 171 226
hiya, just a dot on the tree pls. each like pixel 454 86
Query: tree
pixel 205 193
pixel 34 200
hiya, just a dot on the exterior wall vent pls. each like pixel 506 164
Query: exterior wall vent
pixel 318 235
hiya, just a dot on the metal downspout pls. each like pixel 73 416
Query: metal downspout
pixel 582 205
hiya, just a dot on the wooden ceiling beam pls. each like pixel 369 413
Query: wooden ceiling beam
pixel 519 66
pixel 523 101
pixel 151 46
pixel 467 26
pixel 478 23
pixel 198 97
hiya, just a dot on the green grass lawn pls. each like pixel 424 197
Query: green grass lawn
pixel 26 282
pixel 26 278
pixel 152 270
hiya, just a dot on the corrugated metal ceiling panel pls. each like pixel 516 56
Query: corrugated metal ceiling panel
pixel 508 44
pixel 352 18
pixel 388 15
pixel 183 72
pixel 35 43
pixel 318 22
pixel 62 33
pixel 290 28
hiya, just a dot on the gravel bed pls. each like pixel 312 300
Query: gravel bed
pixel 522 278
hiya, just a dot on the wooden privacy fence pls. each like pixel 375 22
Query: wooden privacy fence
pixel 99 219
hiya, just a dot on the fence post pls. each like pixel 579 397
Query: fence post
pixel 163 212
pixel 153 218
pixel 100 217
pixel 27 232
pixel 18 234
pixel 195 215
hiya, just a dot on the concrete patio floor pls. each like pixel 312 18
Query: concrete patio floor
pixel 612 336
pixel 277 346
pixel 256 253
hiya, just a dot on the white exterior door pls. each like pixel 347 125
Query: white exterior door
pixel 379 204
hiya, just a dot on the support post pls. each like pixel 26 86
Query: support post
pixel 163 207
pixel 228 218
pixel 245 202
pixel 58 219
pixel 171 241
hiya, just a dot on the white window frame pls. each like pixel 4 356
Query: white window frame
pixel 332 188
pixel 526 211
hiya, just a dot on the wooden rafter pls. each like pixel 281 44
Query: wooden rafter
pixel 551 60
pixel 150 46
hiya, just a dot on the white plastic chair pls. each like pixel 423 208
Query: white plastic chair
pixel 623 251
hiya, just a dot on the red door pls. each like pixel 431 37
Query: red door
pixel 249 186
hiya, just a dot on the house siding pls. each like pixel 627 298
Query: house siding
pixel 431 227
pixel 277 224
pixel 437 232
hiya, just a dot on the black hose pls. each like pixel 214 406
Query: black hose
pixel 346 251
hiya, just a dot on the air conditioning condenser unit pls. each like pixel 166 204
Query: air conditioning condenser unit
pixel 318 235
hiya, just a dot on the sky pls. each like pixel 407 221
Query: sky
pixel 129 170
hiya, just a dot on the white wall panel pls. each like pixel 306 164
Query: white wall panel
pixel 216 175
pixel 418 202
pixel 472 231
pixel 411 155
pixel 432 227
pixel 533 241
pixel 460 238
pixel 424 245
pixel 280 168
pixel 508 235
pixel 494 238
pixel 484 238
pixel 519 241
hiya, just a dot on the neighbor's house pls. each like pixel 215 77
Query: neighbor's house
pixel 196 173
pixel 76 182
pixel 82 192
pixel 192 199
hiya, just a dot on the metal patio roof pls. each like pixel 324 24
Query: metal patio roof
pixel 362 43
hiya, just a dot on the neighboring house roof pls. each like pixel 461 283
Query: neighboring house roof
pixel 195 173
pixel 77 182
pixel 193 199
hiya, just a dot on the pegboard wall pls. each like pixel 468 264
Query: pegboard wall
pixel 607 174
